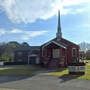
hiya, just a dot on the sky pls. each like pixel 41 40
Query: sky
pixel 35 21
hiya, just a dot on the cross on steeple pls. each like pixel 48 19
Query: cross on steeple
pixel 59 33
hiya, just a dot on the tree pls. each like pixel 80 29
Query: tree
pixel 25 44
pixel 7 50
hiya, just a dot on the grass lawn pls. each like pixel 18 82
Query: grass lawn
pixel 28 70
pixel 64 73
pixel 87 73
pixel 19 70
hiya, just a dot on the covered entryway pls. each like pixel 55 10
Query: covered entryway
pixel 33 59
pixel 58 58
pixel 54 54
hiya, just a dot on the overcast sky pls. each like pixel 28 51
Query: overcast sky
pixel 35 21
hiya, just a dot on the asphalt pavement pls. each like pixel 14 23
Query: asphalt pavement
pixel 42 81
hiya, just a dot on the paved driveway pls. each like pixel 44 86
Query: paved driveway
pixel 43 82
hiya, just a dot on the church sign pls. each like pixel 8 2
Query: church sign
pixel 76 68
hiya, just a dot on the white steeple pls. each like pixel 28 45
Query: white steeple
pixel 59 33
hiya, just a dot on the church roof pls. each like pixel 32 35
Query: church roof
pixel 62 43
pixel 30 48
pixel 65 42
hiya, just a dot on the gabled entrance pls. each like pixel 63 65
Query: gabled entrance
pixel 55 53
pixel 33 59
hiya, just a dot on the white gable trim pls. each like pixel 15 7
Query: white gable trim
pixel 54 43
pixel 45 46
pixel 59 44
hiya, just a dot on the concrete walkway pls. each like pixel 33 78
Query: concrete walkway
pixel 43 82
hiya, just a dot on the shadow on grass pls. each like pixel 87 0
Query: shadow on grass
pixel 67 77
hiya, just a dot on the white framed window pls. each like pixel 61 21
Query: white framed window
pixel 56 53
pixel 74 52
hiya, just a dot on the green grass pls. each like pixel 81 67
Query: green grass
pixel 32 70
pixel 60 72
pixel 87 73
pixel 64 73
pixel 19 70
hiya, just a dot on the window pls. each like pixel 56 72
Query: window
pixel 74 52
pixel 56 53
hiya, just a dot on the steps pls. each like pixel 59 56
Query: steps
pixel 53 63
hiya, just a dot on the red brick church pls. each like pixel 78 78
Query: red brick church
pixel 59 52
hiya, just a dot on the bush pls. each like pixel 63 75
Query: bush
pixel 87 58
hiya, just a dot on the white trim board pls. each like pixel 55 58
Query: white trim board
pixel 54 43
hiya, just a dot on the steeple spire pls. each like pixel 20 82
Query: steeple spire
pixel 59 33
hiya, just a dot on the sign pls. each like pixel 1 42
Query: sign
pixel 81 68
pixel 76 68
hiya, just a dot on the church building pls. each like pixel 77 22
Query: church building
pixel 59 52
